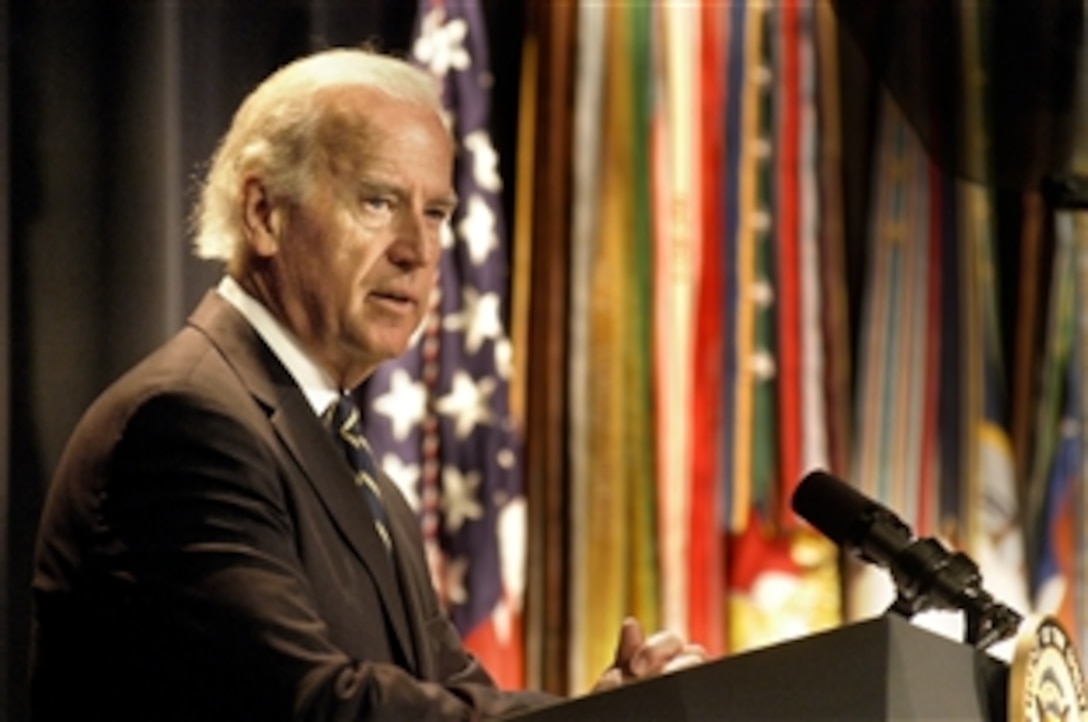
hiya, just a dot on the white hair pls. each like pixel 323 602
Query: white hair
pixel 276 134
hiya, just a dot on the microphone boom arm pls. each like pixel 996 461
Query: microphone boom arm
pixel 928 576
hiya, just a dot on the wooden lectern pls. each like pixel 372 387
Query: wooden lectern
pixel 880 669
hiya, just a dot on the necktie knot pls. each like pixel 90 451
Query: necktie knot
pixel 343 419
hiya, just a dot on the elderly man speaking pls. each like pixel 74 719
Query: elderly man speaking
pixel 218 543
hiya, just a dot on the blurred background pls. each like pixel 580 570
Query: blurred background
pixel 703 249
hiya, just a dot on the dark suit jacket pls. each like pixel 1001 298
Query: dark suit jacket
pixel 203 555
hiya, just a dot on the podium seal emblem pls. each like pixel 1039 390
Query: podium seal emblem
pixel 1046 683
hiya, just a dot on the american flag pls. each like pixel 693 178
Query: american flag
pixel 438 417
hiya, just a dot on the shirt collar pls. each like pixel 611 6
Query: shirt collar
pixel 316 384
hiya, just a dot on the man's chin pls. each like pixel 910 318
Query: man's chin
pixel 389 345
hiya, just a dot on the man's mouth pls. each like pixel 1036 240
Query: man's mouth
pixel 394 297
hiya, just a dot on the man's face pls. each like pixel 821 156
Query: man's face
pixel 359 255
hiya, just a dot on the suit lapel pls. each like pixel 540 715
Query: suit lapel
pixel 311 446
pixel 414 577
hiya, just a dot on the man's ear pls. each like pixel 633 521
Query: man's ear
pixel 261 219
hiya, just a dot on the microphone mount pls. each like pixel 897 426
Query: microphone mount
pixel 926 575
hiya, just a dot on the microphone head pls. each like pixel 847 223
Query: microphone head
pixel 836 509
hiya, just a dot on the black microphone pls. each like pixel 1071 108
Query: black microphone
pixel 926 575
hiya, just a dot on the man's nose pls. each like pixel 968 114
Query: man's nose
pixel 417 242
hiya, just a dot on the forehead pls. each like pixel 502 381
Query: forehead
pixel 361 124
pixel 363 116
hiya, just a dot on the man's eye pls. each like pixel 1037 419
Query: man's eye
pixel 378 203
pixel 439 215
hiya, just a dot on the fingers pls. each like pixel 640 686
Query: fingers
pixel 691 656
pixel 638 656
pixel 611 679
pixel 631 640
pixel 655 653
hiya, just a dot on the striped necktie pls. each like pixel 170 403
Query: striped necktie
pixel 343 418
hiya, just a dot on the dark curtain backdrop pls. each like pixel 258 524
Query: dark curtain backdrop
pixel 111 108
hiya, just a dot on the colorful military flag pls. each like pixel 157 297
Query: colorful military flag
pixel 1057 469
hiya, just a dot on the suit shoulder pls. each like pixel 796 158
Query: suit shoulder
pixel 186 374
pixel 186 366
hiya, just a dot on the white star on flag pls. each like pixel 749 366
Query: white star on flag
pixel 455 580
pixel 467 402
pixel 513 517
pixel 459 497
pixel 477 229
pixel 485 161
pixel 405 404
pixel 479 318
pixel 446 236
pixel 440 45
pixel 433 301
pixel 405 476
pixel 504 357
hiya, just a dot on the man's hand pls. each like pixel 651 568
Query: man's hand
pixel 638 657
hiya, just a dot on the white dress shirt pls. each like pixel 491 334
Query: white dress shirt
pixel 315 382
